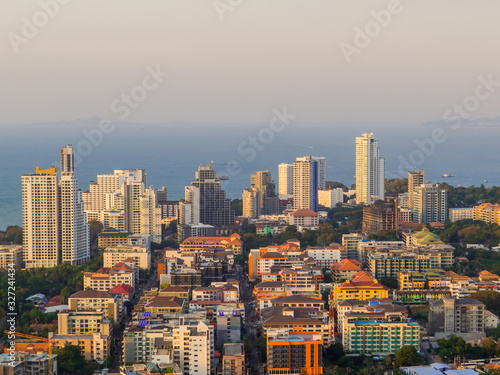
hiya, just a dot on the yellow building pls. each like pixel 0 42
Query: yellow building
pixel 487 212
pixel 96 300
pixel 163 305
pixel 356 289
pixel 95 346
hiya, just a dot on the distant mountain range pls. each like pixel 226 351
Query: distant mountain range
pixel 481 122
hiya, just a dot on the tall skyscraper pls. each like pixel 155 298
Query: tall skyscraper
pixel 75 233
pixel 285 181
pixel 415 178
pixel 41 239
pixel 305 183
pixel 269 201
pixel 370 170
pixel 54 223
pixel 321 171
pixel 430 204
pixel 205 202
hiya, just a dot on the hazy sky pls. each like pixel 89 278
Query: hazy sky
pixel 263 54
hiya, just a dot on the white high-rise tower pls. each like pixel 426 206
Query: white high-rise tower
pixel 370 170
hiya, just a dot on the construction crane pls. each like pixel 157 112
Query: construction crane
pixel 37 338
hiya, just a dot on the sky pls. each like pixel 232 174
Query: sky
pixel 233 61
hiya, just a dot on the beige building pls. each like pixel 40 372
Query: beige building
pixel 106 279
pixel 370 170
pixel 83 322
pixel 251 203
pixel 117 254
pixel 96 300
pixel 455 214
pixel 11 254
pixel 233 359
pixel 95 346
pixel 330 198
pixel 41 240
pixel 164 305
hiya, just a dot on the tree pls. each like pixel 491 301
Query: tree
pixel 334 352
pixel 65 293
pixel 389 282
pixel 70 360
pixel 407 356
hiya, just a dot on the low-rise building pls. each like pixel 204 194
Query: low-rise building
pixel 164 305
pixel 116 254
pixel 326 257
pixel 379 336
pixel 96 300
pixel 456 214
pixel 27 364
pixel 11 255
pixel 233 359
pixel 304 219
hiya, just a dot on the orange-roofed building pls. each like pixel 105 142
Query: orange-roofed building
pixel 266 291
pixel 31 347
pixel 362 276
pixel 361 290
pixel 304 218
pixel 345 270
pixel 233 242
pixel 488 276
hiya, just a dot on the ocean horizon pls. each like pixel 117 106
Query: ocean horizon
pixel 170 153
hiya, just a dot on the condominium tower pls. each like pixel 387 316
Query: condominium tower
pixel 305 183
pixel 370 170
pixel 54 223
pixel 285 173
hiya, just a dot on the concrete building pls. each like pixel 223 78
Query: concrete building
pixel 304 219
pixel 415 179
pixel 233 359
pixel 350 242
pixel 430 204
pixel 55 228
pixel 251 203
pixel 193 344
pixel 41 219
pixel 487 212
pixel 28 364
pixel 285 182
pixel 294 353
pixel 118 254
pixel 377 218
pixel 370 170
pixel 205 202
pixel 305 183
pixel 461 317
pixel 11 254
pixel 105 279
pixel 325 257
pixel 379 336
pixel 228 325
pixel 269 201
pixel 83 322
pixel 456 214
pixel 330 198
pixel 110 305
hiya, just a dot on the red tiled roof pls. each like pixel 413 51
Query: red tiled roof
pixel 346 265
pixel 122 289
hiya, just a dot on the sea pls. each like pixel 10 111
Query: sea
pixel 171 152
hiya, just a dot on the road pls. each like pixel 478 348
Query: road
pixel 246 296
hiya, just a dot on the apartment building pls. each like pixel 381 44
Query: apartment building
pixel 379 336
pixel 96 300
pixel 294 353
pixel 117 254
pixel 233 359
pixel 461 317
